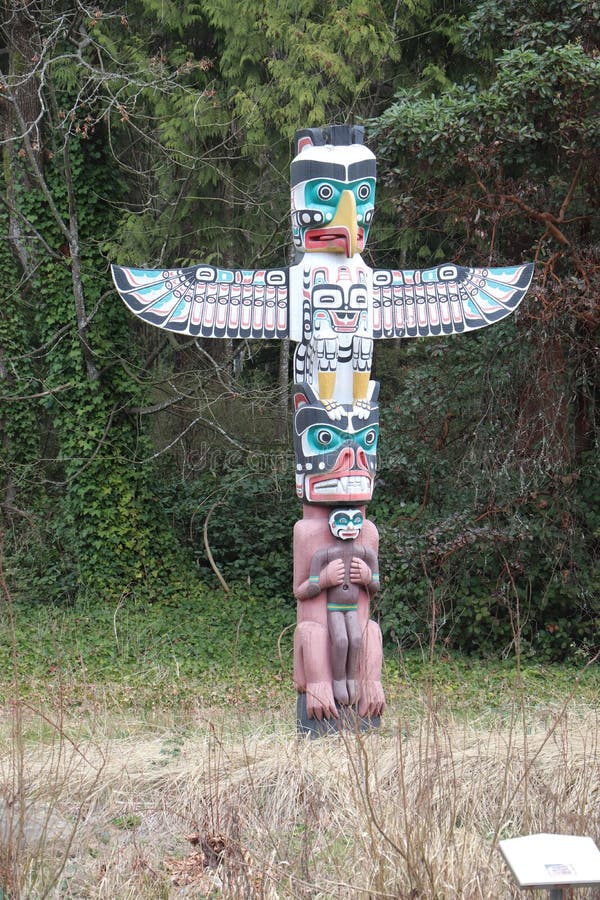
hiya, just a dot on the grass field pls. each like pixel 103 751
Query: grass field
pixel 133 768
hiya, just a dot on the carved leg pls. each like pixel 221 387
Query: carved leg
pixel 327 355
pixel 372 698
pixel 362 356
pixel 312 671
pixel 339 653
pixel 354 646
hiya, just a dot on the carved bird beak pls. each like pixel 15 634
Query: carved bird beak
pixel 342 234
pixel 345 219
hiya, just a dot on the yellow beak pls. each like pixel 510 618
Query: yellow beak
pixel 345 217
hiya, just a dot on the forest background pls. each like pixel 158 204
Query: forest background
pixel 147 478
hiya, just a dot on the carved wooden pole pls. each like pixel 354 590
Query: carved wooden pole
pixel 333 306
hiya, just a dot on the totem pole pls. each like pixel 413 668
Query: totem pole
pixel 333 305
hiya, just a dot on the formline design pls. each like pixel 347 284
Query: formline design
pixel 333 306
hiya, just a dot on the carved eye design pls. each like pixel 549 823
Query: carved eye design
pixel 325 191
pixel 324 437
pixel 370 437
pixel 363 191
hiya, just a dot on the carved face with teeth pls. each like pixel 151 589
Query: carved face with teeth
pixel 335 462
pixel 339 301
pixel 346 524
pixel 333 190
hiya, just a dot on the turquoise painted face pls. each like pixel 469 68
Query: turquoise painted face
pixel 335 462
pixel 346 524
pixel 320 439
pixel 333 197
pixel 324 195
pixel 333 209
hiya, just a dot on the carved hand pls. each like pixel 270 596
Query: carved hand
pixel 360 573
pixel 333 573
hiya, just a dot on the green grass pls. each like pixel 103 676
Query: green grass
pixel 194 646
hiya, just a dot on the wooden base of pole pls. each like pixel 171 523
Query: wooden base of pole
pixel 348 721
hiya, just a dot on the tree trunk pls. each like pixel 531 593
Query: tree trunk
pixel 21 111
pixel 283 382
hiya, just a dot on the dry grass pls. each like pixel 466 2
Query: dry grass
pixel 222 806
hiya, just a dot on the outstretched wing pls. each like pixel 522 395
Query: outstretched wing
pixel 204 301
pixel 446 300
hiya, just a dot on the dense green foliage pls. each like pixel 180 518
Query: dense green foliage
pixel 506 542
pixel 130 457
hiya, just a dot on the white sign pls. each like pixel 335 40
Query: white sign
pixel 546 860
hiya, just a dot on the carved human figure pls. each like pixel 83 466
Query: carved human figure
pixel 344 567
pixel 337 653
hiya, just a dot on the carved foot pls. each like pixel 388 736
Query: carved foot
pixel 319 701
pixel 353 692
pixel 333 409
pixel 372 698
pixel 340 692
pixel 361 409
